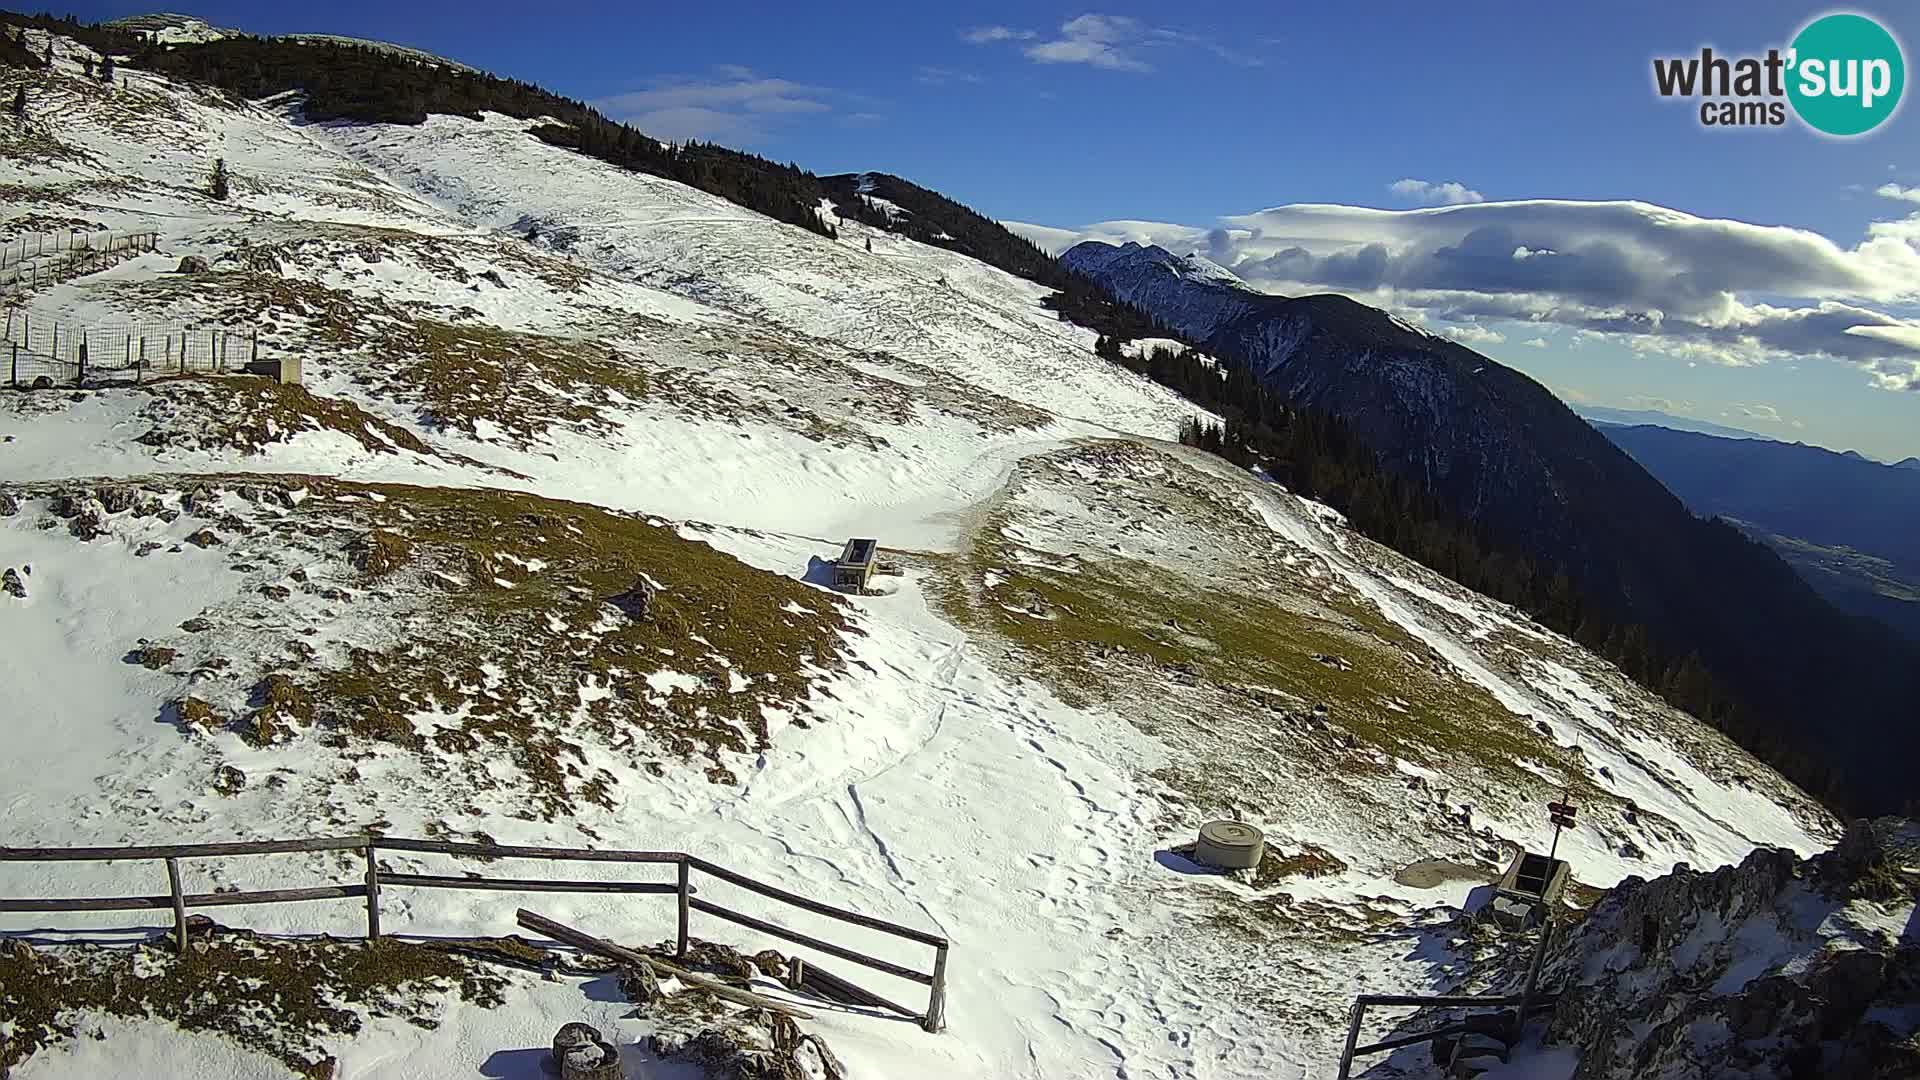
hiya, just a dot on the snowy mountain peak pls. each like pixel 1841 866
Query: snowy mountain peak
pixel 1093 256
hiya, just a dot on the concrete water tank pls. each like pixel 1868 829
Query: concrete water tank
pixel 1230 845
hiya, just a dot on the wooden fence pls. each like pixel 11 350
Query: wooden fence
pixel 67 355
pixel 46 257
pixel 368 889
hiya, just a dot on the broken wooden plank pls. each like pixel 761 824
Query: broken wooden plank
pixel 582 940
pixel 816 979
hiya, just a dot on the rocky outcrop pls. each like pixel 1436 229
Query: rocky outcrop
pixel 1775 968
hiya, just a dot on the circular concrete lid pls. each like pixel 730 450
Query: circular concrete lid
pixel 1229 834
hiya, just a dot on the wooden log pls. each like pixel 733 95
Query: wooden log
pixel 179 904
pixel 936 1019
pixel 196 900
pixel 512 851
pixel 811 942
pixel 436 881
pixel 179 851
pixel 373 895
pixel 816 906
pixel 820 981
pixel 685 890
pixel 579 939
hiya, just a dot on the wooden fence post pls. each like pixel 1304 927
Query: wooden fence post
pixel 373 894
pixel 138 371
pixel 14 378
pixel 936 1019
pixel 81 378
pixel 253 353
pixel 179 905
pixel 681 951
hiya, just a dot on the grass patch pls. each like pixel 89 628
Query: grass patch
pixel 279 998
pixel 495 627
pixel 547 578
pixel 249 413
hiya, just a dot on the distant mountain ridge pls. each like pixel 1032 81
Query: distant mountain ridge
pixel 1849 524
pixel 1607 414
pixel 1502 451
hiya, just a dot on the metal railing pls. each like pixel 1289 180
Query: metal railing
pixel 369 888
pixel 1524 1004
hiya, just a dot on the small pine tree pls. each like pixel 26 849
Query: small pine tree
pixel 217 186
pixel 89 67
pixel 106 70
pixel 20 103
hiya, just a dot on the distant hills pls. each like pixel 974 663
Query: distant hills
pixel 1598 547
pixel 1850 525
pixel 1607 414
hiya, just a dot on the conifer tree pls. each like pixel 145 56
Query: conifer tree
pixel 106 70
pixel 217 185
pixel 20 103
pixel 89 67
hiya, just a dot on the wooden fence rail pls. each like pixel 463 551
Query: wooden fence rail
pixel 682 888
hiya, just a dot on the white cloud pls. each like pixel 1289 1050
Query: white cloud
pixel 1761 411
pixel 986 35
pixel 934 75
pixel 733 104
pixel 1475 335
pixel 1103 41
pixel 1667 405
pixel 1895 191
pixel 1535 342
pixel 1113 42
pixel 1651 279
pixel 1448 193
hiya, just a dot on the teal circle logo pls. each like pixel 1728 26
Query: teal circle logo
pixel 1846 73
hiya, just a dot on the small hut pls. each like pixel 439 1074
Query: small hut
pixel 1529 890
pixel 856 564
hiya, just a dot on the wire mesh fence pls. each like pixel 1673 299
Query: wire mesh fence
pixel 30 260
pixel 69 355
pixel 50 244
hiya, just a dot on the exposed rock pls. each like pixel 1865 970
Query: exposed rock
pixel 12 585
pixel 115 500
pixel 85 526
pixel 194 264
pixel 229 780
pixel 275 592
pixel 205 538
pixel 580 1053
pixel 152 657
pixel 9 506
pixel 65 505
pixel 1776 967
pixel 637 601
pixel 197 624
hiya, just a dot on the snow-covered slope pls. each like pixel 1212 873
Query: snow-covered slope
pixel 398 598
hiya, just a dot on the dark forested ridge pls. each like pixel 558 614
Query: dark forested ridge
pixel 344 81
pixel 931 218
pixel 1503 489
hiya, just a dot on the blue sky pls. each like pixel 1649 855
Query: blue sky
pixel 1181 116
